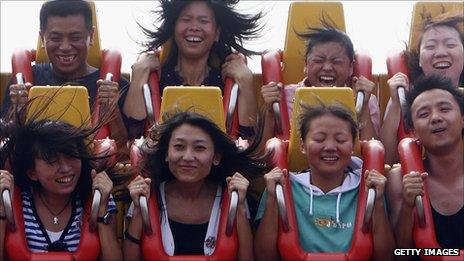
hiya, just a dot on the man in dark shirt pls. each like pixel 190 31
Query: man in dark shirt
pixel 66 31
pixel 435 111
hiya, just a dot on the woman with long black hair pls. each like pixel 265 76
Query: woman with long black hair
pixel 191 163
pixel 205 40
pixel 52 164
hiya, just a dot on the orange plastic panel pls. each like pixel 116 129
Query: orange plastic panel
pixel 429 8
pixel 313 96
pixel 300 16
pixel 205 100
pixel 67 103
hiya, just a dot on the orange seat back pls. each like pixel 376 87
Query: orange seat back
pixel 204 100
pixel 300 16
pixel 431 9
pixel 313 96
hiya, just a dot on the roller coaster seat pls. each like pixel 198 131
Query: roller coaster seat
pixel 289 156
pixel 310 95
pixel 108 61
pixel 423 230
pixel 60 103
pixel 207 102
pixel 230 93
pixel 433 8
pixel 287 66
pixel 69 104
pixel 396 62
pixel 410 152
pixel 300 16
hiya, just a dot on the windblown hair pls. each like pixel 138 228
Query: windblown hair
pixel 310 113
pixel 64 8
pixel 427 83
pixel 327 33
pixel 23 141
pixel 451 20
pixel 233 159
pixel 234 29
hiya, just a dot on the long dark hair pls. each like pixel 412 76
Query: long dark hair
pixel 235 28
pixel 233 159
pixel 451 20
pixel 24 140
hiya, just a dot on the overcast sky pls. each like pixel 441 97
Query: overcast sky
pixel 376 27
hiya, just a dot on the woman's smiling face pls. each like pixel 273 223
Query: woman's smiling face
pixel 191 154
pixel 328 145
pixel 196 30
pixel 441 52
pixel 58 175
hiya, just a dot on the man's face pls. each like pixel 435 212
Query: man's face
pixel 437 120
pixel 67 41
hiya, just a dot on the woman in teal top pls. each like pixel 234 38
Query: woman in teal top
pixel 325 196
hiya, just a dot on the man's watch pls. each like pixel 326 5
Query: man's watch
pixel 106 219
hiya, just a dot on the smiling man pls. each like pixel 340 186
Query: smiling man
pixel 66 31
pixel 436 114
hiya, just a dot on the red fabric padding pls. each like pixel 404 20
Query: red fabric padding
pixel 226 100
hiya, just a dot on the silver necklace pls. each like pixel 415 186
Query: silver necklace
pixel 55 216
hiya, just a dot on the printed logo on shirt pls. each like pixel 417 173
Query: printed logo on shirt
pixel 329 222
pixel 210 242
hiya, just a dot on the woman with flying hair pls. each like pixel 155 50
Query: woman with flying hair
pixel 50 162
pixel 444 24
pixel 440 51
pixel 329 61
pixel 205 40
pixel 191 163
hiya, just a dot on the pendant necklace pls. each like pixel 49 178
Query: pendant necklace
pixel 55 216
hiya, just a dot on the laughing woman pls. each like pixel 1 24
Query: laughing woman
pixel 203 35
pixel 50 162
pixel 440 52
